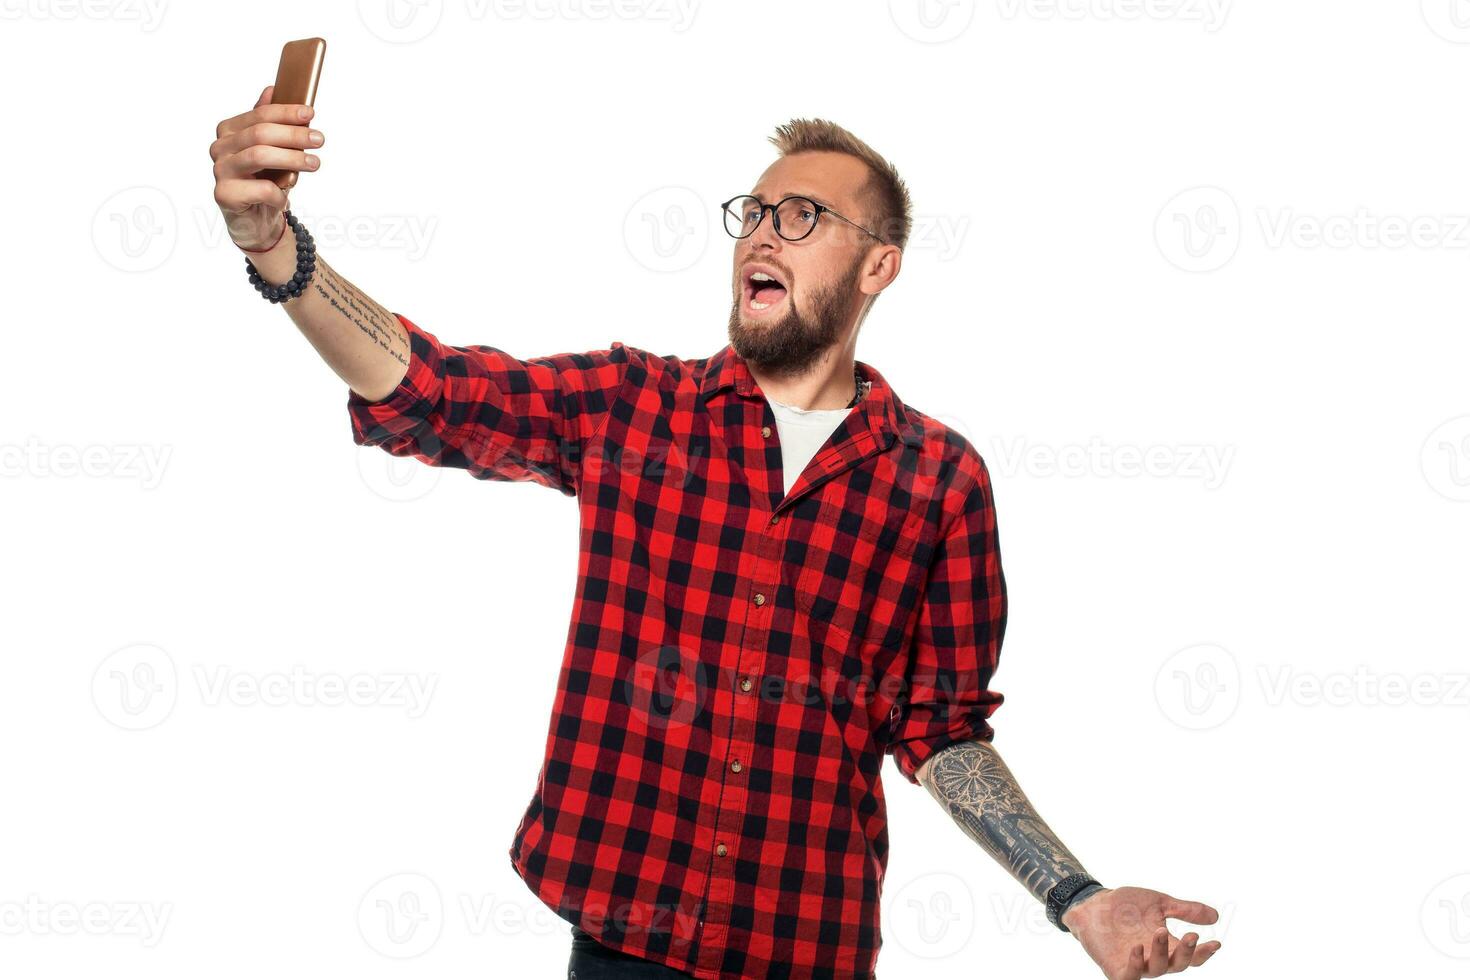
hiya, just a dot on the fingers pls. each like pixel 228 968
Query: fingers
pixel 1205 951
pixel 288 114
pixel 1136 963
pixel 269 134
pixel 265 96
pixel 1158 953
pixel 258 157
pixel 1183 952
pixel 1178 908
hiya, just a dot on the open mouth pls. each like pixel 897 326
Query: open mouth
pixel 763 290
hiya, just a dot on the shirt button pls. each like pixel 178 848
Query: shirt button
pixel 745 683
pixel 760 599
pixel 735 766
pixel 775 518
pixel 722 850
pixel 765 432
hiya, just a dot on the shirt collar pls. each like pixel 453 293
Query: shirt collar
pixel 883 408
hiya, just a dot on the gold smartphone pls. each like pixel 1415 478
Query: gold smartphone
pixel 296 79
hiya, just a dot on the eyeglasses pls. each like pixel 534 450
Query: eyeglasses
pixel 795 217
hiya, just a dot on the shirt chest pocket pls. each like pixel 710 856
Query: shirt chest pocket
pixel 857 566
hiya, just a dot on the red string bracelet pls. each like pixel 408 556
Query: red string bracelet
pixel 268 247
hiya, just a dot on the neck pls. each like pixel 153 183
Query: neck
pixel 830 386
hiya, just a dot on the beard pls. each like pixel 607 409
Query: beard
pixel 790 345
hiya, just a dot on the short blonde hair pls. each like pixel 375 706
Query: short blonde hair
pixel 885 194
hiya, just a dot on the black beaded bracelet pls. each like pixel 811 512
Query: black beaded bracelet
pixel 305 266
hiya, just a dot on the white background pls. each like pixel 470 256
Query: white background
pixel 1227 239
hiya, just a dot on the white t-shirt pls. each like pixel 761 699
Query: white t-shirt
pixel 803 431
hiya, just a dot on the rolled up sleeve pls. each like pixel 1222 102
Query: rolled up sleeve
pixel 497 416
pixel 957 640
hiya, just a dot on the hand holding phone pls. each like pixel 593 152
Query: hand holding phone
pixel 257 154
pixel 297 75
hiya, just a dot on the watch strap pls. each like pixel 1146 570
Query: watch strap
pixel 1064 892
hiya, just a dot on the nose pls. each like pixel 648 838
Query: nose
pixel 765 233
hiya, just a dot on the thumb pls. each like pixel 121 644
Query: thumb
pixel 1178 908
pixel 265 96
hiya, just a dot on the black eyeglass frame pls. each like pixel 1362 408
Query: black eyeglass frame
pixel 819 209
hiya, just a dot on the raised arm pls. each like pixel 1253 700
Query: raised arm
pixel 1122 929
pixel 362 342
pixel 474 407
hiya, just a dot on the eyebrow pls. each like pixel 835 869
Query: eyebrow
pixel 810 197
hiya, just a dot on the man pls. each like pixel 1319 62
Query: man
pixel 786 573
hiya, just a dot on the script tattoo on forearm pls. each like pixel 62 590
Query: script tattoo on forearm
pixel 975 786
pixel 366 315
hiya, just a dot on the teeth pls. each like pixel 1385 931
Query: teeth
pixel 759 278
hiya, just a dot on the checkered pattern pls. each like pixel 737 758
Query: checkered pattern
pixel 739 659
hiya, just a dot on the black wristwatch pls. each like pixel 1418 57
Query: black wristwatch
pixel 1064 892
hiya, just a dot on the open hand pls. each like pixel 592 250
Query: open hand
pixel 1123 930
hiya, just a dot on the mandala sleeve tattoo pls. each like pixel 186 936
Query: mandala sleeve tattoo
pixel 973 783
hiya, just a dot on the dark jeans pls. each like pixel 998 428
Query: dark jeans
pixel 593 961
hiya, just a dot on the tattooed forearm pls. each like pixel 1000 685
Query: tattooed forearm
pixel 975 786
pixel 364 344
pixel 361 311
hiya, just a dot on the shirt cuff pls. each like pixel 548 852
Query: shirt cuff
pixel 910 755
pixel 408 405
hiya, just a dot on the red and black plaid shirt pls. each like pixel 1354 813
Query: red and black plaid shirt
pixel 739 658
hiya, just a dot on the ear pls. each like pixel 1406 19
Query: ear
pixel 880 268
